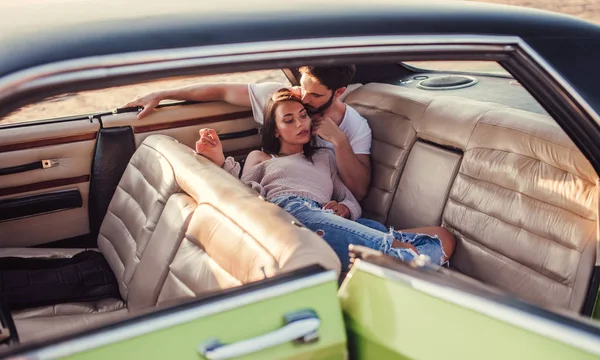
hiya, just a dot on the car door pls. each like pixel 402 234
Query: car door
pixel 45 180
pixel 291 316
pixel 57 177
pixel 414 312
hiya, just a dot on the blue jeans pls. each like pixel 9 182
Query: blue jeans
pixel 339 232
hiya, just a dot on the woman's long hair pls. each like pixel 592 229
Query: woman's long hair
pixel 270 143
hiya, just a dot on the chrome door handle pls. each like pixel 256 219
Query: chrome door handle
pixel 301 326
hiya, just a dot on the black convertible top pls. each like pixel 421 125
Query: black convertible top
pixel 35 32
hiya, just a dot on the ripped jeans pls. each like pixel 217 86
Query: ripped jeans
pixel 339 232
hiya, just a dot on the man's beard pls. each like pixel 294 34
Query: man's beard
pixel 316 111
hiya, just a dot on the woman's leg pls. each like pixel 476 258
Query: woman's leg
pixel 340 232
pixel 373 224
pixel 445 236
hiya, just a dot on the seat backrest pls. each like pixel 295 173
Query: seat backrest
pixel 523 208
pixel 214 233
pixel 392 112
pixel 520 198
pixel 134 212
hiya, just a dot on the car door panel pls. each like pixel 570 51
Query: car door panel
pixel 422 314
pixel 25 206
pixel 254 312
pixel 65 151
pixel 183 122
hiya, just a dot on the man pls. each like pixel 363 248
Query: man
pixel 338 126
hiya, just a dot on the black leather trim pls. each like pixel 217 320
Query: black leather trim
pixel 21 168
pixel 31 205
pixel 238 134
pixel 114 148
pixel 592 294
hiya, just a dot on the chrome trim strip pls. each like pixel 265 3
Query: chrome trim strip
pixel 510 315
pixel 142 327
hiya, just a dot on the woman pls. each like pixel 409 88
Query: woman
pixel 302 179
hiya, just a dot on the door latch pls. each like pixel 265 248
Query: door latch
pixel 50 163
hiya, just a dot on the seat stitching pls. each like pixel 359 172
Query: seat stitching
pixel 146 180
pixel 513 225
pixel 119 279
pixel 178 279
pixel 495 253
pixel 135 201
pixel 528 196
pixel 536 159
pixel 378 188
pixel 392 145
pixel 218 210
pixel 374 107
pixel 130 236
pixel 548 276
pixel 475 123
pixel 385 165
pixel 526 133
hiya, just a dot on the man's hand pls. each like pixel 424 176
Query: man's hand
pixel 210 146
pixel 148 102
pixel 328 130
pixel 339 209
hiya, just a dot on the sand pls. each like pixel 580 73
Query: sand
pixel 112 98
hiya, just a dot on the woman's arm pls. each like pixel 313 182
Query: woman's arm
pixel 341 193
pixel 210 147
pixel 254 171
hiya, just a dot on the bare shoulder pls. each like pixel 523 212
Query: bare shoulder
pixel 255 157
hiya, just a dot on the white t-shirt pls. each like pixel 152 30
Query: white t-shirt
pixel 355 126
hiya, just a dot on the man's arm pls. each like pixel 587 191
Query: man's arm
pixel 233 93
pixel 354 170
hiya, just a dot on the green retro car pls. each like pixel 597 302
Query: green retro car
pixel 484 121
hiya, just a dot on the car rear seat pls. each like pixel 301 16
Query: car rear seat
pixel 169 234
pixel 517 194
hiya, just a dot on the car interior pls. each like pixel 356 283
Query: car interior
pixel 470 151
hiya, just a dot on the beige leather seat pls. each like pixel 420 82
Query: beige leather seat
pixel 178 227
pixel 517 194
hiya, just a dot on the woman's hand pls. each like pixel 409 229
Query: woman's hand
pixel 339 209
pixel 210 146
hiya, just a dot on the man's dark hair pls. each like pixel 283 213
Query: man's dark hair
pixel 270 143
pixel 333 77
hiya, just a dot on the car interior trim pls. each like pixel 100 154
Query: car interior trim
pixel 114 148
pixel 21 168
pixel 43 185
pixel 239 134
pixel 31 205
pixel 186 313
pixel 47 142
pixel 192 122
pixel 591 302
pixel 521 318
